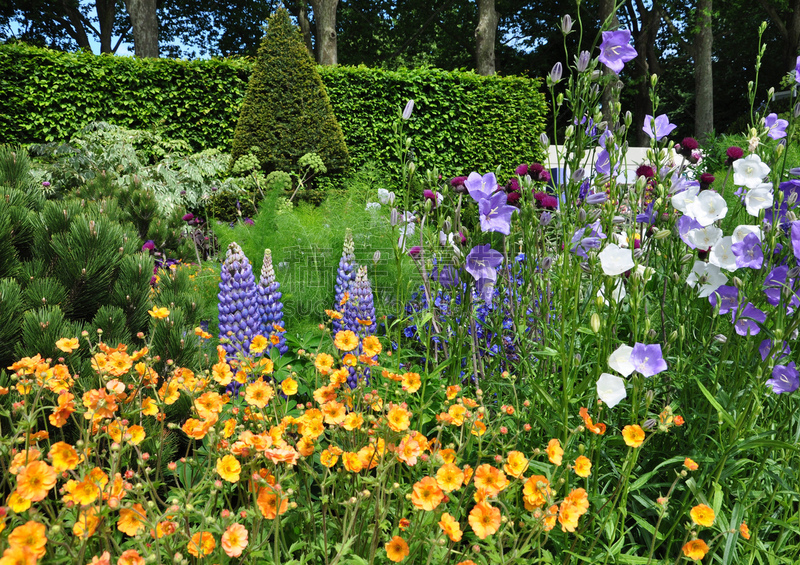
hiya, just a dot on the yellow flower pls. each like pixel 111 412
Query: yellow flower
pixel 346 340
pixel 159 312
pixel 258 394
pixel 398 418
pixel 396 549
pixel 229 468
pixel 352 421
pixel 702 515
pixel 323 363
pixel 17 503
pixel 202 544
pixel 149 407
pixel 583 466
pixel 411 382
pixel 633 436
pixel 554 452
pixel 87 523
pixel 258 344
pixel 449 477
pixel 289 386
pixel 68 345
pixel 64 457
pixel 516 464
pixel 371 346
pixel 695 549
pixel 691 465
pixel 328 458
pixel 137 434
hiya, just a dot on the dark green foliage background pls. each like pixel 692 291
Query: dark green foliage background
pixel 462 121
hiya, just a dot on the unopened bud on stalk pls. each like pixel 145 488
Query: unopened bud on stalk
pixel 583 61
pixel 556 72
pixel 686 258
pixel 569 131
pixel 779 149
pixel 653 79
pixel 545 141
pixel 582 216
pixel 662 234
pixel 673 336
pixel 595 214
pixel 586 268
pixel 720 338
pixel 595 323
pixel 566 24
pixel 411 168
pixel 771 93
pixel 628 119
pixel 791 216
pixel 547 262
pixel 737 282
pixel 618 220
pixel 560 98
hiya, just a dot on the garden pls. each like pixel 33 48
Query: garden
pixel 373 340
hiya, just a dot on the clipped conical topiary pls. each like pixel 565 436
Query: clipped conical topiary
pixel 286 111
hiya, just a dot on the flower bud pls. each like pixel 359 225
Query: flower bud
pixel 595 323
pixel 583 63
pixel 544 140
pixel 408 109
pixel 556 72
pixel 566 24
pixel 720 338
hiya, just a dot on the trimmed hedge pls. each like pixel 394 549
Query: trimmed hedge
pixel 461 122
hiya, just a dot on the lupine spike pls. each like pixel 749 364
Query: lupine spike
pixel 238 305
pixel 270 305
pixel 345 275
pixel 360 308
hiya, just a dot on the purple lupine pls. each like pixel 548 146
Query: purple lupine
pixel 238 302
pixel 345 274
pixel 270 307
pixel 360 307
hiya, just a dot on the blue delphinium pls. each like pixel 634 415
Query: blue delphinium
pixel 238 302
pixel 269 304
pixel 345 274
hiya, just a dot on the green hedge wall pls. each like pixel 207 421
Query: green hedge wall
pixel 461 122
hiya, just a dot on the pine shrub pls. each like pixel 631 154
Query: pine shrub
pixel 286 111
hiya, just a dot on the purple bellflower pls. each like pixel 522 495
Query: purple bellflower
pixel 482 263
pixel 748 252
pixel 480 187
pixel 615 50
pixel 685 225
pixel 649 216
pixel 728 298
pixel 785 378
pixel 776 127
pixel 748 321
pixel 495 213
pixel 648 359
pixel 765 347
pixel 657 128
pixel 795 235
pixel 583 241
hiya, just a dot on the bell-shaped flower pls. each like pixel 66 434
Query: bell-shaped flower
pixel 748 252
pixel 617 294
pixel 758 198
pixel 657 128
pixel 785 378
pixel 722 255
pixel 707 208
pixel 611 389
pixel 480 187
pixel 495 214
pixel 648 359
pixel 747 321
pixel 614 260
pixel 681 200
pixel 727 297
pixel 620 360
pixel 708 276
pixel 740 232
pixel 776 127
pixel 615 49
pixel 705 238
pixel 750 171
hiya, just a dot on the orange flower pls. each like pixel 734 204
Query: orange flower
pixel 323 363
pixel 35 480
pixel 82 492
pixel 695 549
pixel 572 508
pixel 744 530
pixel 450 527
pixel 598 428
pixel 209 404
pixel 452 391
pixel 328 458
pixel 136 435
pixel 131 520
pixel 449 477
pixel 478 428
pixel 258 344
pixel 353 421
pixel 196 429
pixel 258 394
pixel 159 312
pixel 352 462
pixel 165 528
pixel 18 556
pixel 346 340
pixel 371 346
pixel 554 452
pixel 229 468
pixel 289 386
pixel 398 418
pixel 702 515
pixel 130 557
pixel 484 519
pixel 333 412
pixel 633 435
pixel 583 466
pixel 411 382
pixel 426 494
pixel 30 537
pixel 149 407
pixel 87 523
pixel 490 479
pixel 17 503
pixel 691 465
pixel 516 464
pixel 63 411
pixel 408 451
pixel 119 363
pixel 68 345
pixel 202 544
pixel 535 492
pixel 99 404
pixel 324 394
pixel 234 540
pixel 268 501
pixel 333 314
pixel 396 549
pixel 457 413
pixel 64 457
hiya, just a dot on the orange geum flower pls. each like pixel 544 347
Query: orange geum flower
pixel 63 411
pixel 583 466
pixel 449 477
pixel 323 363
pixel 371 346
pixel 63 456
pixel 258 344
pixel 17 556
pixel 484 519
pixel 345 340
pixel 159 312
pixel 35 480
pixel 633 435
pixel 82 492
pixel 598 428
pixel 426 494
pixel 450 527
pixel 338 377
pixel 228 467
pixel 221 372
pixel 99 404
pixel 165 528
pixel 478 428
pixel 398 418
pixel 695 549
pixel 452 391
pixel 691 465
pixel 131 520
pixel 17 503
pixel 353 421
pixel 202 543
pixel 306 446
pixel 130 557
pixel 408 451
pixel 744 531
pixel 119 363
pixel 702 515
pixel 135 434
pixel 324 394
pixel 334 412
pixel 491 479
pixel 234 540
pixel 411 382
pixel 209 404
pixel 447 455
pixel 352 462
pixel 289 386
pixel 536 492
pixel 267 502
pixel 68 345
pixel 258 394
pixel 170 391
pixel 550 518
pixel 554 452
pixel 516 464
pixel 349 360
pixel 22 458
pixel 368 456
pixel 196 429
pixel 396 549
pixel 333 314
pixel 149 407
pixel 87 522
pixel 327 458
pixel 30 536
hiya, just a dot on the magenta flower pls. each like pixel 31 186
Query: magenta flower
pixel 776 127
pixel 648 359
pixel 495 213
pixel 785 378
pixel 149 245
pixel 657 128
pixel 615 50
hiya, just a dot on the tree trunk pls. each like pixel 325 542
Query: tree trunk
pixel 325 18
pixel 485 36
pixel 74 24
pixel 643 67
pixel 145 27
pixel 606 11
pixel 305 28
pixel 703 78
pixel 789 30
pixel 106 10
